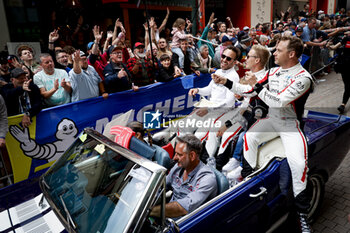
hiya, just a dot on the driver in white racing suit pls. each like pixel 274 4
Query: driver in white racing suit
pixel 286 94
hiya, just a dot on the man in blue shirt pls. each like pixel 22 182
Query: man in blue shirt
pixel 192 181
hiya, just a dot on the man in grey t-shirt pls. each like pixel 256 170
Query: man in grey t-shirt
pixel 192 182
pixel 86 83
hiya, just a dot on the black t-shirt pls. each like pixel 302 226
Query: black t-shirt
pixel 346 47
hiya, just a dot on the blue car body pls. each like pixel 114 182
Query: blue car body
pixel 259 204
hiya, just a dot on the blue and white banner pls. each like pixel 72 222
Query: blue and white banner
pixel 32 150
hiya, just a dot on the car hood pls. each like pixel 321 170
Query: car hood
pixel 34 215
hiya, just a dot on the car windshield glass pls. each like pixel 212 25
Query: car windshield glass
pixel 99 187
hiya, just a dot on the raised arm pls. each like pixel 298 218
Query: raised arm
pixel 98 36
pixel 76 62
pixel 162 26
pixel 53 36
pixel 108 39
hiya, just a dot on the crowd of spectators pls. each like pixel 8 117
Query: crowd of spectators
pixel 110 64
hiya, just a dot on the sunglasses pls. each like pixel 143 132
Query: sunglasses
pixel 227 57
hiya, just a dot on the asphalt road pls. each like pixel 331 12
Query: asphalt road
pixel 327 97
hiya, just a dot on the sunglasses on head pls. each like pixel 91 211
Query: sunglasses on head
pixel 223 56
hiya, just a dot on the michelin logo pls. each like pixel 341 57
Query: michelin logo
pixel 151 120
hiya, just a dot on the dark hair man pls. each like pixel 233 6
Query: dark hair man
pixel 193 182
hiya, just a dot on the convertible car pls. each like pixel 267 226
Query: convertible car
pixel 99 186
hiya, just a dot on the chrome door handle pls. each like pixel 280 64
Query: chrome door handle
pixel 263 190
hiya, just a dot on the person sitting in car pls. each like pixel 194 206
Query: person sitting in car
pixel 193 182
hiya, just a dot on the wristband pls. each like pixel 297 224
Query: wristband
pixel 258 87
pixel 51 42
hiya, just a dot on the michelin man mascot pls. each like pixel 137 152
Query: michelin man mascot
pixel 65 135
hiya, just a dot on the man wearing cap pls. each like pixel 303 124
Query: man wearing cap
pixel 22 96
pixel 54 83
pixel 86 83
pixel 117 75
pixel 140 66
pixel 225 42
pixel 298 32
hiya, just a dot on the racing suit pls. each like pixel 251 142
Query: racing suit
pixel 219 95
pixel 286 95
pixel 237 122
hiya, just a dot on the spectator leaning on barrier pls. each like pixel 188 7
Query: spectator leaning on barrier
pixel 186 70
pixel 141 66
pixel 22 96
pixel 86 83
pixel 118 77
pixel 54 83
pixel 166 70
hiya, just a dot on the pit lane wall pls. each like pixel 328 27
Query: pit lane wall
pixel 32 150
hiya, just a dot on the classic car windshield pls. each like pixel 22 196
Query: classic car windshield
pixel 98 187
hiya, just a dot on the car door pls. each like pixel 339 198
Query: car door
pixel 279 198
pixel 238 210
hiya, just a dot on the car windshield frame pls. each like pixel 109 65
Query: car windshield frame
pixel 75 195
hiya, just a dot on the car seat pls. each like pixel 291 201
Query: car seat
pixel 221 180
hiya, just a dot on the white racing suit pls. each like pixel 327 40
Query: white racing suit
pixel 219 95
pixel 237 120
pixel 286 95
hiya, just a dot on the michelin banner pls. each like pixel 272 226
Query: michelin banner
pixel 32 150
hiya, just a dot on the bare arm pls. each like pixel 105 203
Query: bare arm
pixel 53 36
pixel 108 39
pixel 229 22
pixel 334 47
pixel 115 31
pixel 76 60
pixel 98 36
pixel 47 94
pixel 146 34
pixel 172 210
pixel 162 26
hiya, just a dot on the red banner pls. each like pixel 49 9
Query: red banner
pixel 201 14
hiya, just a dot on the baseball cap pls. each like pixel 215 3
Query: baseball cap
pixel 112 48
pixel 139 44
pixel 303 20
pixel 245 28
pixel 16 72
pixel 225 39
pixel 89 45
pixel 320 12
pixel 299 29
pixel 245 39
pixel 82 54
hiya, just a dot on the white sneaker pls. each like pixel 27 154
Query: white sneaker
pixel 231 165
pixel 235 174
